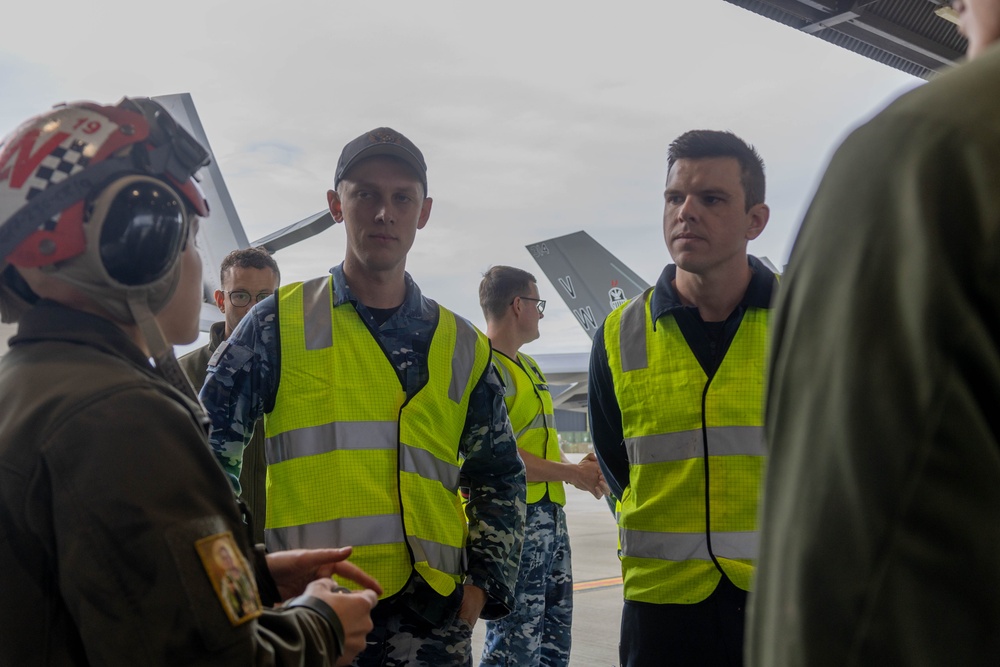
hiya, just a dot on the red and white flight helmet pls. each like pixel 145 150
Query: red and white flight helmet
pixel 101 197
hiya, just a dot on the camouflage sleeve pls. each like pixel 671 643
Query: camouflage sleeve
pixel 494 474
pixel 242 379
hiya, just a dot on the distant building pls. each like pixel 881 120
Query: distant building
pixel 571 420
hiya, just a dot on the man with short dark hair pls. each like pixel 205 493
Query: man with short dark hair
pixel 676 386
pixel 538 631
pixel 246 276
pixel 879 529
pixel 376 403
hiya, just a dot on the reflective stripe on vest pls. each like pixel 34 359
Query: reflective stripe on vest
pixel 351 460
pixel 685 546
pixel 682 430
pixel 532 418
pixel 371 530
pixel 723 441
pixel 343 436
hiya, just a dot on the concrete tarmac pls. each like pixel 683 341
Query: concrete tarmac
pixel 597 598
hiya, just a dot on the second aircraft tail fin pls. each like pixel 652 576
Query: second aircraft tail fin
pixel 591 280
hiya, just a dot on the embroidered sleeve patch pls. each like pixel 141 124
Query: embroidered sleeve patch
pixel 231 578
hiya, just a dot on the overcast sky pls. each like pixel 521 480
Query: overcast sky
pixel 536 119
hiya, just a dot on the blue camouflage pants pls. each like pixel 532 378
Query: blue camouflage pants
pixel 537 631
pixel 398 641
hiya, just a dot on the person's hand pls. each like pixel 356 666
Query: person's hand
pixel 293 570
pixel 587 476
pixel 603 486
pixel 473 601
pixel 353 608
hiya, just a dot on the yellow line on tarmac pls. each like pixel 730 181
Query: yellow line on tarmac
pixel 597 583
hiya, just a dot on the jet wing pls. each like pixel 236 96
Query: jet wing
pixel 566 374
pixel 295 232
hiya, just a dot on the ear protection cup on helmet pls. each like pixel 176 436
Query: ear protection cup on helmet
pixel 143 231
pixel 136 229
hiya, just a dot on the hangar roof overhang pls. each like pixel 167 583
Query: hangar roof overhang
pixel 914 36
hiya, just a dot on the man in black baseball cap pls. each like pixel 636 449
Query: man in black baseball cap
pixel 376 401
pixel 381 141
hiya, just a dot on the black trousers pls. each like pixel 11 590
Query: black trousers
pixel 706 634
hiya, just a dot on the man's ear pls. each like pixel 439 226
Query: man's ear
pixel 759 214
pixel 333 202
pixel 220 300
pixel 425 212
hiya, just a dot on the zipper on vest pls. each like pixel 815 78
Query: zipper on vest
pixel 704 457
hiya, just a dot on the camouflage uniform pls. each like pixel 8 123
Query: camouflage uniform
pixel 417 623
pixel 252 476
pixel 537 632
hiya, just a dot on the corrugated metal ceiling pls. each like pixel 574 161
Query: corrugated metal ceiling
pixel 904 34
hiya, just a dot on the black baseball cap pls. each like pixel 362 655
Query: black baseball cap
pixel 381 141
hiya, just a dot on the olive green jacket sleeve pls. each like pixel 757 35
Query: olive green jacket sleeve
pixel 879 528
pixel 128 565
pixel 108 496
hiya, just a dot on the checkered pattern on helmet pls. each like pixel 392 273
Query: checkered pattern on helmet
pixel 56 167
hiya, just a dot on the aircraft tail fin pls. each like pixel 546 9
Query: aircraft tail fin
pixel 224 231
pixel 591 280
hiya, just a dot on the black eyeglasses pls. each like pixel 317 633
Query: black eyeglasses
pixel 539 303
pixel 241 297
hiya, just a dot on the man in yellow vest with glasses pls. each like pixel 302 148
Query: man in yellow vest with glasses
pixel 537 632
pixel 676 407
pixel 376 403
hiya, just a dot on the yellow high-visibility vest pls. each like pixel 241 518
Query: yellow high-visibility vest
pixel 351 461
pixel 532 417
pixel 696 455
